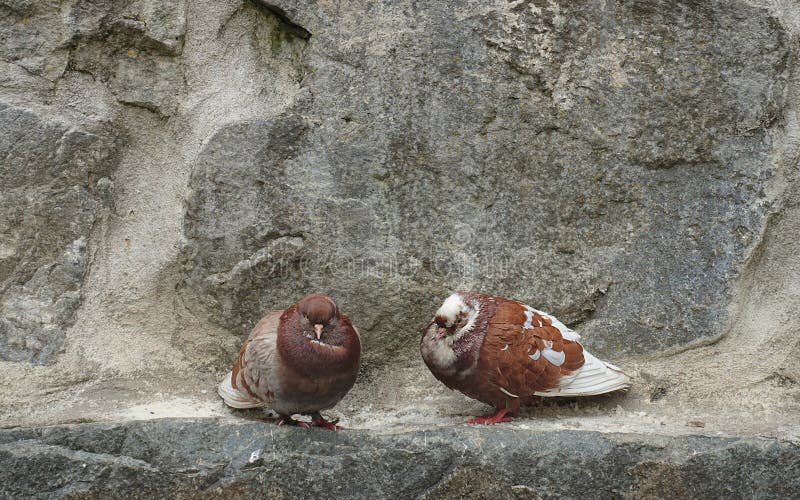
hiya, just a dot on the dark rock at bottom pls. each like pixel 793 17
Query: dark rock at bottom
pixel 211 458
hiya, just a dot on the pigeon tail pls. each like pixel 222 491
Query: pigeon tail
pixel 594 377
pixel 234 397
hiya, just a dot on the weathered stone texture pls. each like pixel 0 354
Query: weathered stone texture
pixel 61 142
pixel 171 170
pixel 49 173
pixel 204 459
pixel 602 161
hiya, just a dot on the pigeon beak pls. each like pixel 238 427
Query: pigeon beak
pixel 441 332
pixel 318 330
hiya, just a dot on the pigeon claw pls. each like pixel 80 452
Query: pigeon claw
pixel 319 421
pixel 501 416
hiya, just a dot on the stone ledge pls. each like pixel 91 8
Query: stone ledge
pixel 212 458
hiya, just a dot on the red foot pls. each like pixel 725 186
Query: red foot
pixel 319 421
pixel 501 416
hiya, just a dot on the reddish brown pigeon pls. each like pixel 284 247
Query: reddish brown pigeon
pixel 301 360
pixel 505 353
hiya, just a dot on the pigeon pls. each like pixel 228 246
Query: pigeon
pixel 506 354
pixel 300 360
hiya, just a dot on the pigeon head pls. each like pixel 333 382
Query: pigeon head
pixel 316 340
pixel 317 311
pixel 455 317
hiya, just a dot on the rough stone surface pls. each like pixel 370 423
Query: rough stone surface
pixel 50 201
pixel 67 66
pixel 37 313
pixel 170 170
pixel 208 459
pixel 573 155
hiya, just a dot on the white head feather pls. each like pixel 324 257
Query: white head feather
pixel 439 351
pixel 455 307
pixel 452 307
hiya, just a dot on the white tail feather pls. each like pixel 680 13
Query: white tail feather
pixel 594 377
pixel 234 397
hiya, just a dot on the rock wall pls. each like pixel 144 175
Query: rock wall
pixel 171 170
pixel 197 460
pixel 573 156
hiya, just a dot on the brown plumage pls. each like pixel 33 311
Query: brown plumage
pixel 300 360
pixel 505 353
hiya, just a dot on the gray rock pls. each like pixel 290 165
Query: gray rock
pixel 61 143
pixel 629 166
pixel 34 316
pixel 33 38
pixel 605 164
pixel 130 45
pixel 48 208
pixel 132 48
pixel 186 458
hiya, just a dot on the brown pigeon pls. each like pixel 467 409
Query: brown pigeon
pixel 505 353
pixel 300 360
